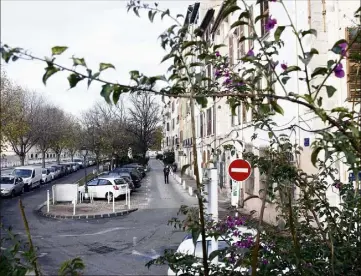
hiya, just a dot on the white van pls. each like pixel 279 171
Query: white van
pixel 31 176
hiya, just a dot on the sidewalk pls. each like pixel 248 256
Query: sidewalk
pixel 224 204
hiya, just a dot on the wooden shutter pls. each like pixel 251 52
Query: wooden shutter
pixel 353 65
pixel 230 41
pixel 250 29
pixel 264 11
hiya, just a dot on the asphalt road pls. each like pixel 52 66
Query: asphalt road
pixel 112 246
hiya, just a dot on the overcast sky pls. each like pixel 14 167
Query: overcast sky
pixel 99 31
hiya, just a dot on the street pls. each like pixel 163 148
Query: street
pixel 113 246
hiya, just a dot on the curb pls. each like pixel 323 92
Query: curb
pixel 40 212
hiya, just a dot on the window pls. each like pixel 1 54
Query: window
pixel 250 29
pixel 120 181
pixel 104 182
pixel 239 114
pixel 264 11
pixel 94 182
pixel 173 106
pixel 167 126
pixel 167 141
pixel 244 113
pixel 209 121
pixel 201 131
pixel 31 156
pixel 173 124
pixel 241 46
pixel 249 183
pixel 230 45
pixel 353 66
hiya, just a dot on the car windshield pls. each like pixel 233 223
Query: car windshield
pixel 43 171
pixel 22 173
pixel 77 160
pixel 6 180
pixel 51 169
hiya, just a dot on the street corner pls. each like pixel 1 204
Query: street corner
pixel 83 211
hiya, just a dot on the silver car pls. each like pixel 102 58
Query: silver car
pixel 11 185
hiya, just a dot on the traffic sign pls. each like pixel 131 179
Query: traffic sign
pixel 239 170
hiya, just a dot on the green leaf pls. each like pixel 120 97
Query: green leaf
pixel 151 15
pixel 49 71
pixel 314 155
pixel 278 32
pixel 291 69
pixel 330 63
pixel 277 108
pixel 202 101
pixel 184 168
pixel 180 16
pixel 319 101
pixel 135 10
pixel 164 14
pixel 260 17
pixel 339 42
pixel 78 61
pixel 187 44
pixel 168 56
pixel 215 47
pixel 117 91
pixel 244 14
pixel 107 89
pixel 194 64
pixel 58 50
pixel 330 90
pixel 238 23
pixel 74 79
pixel 310 31
pixel 229 10
pixel 319 71
pixel 103 66
pixel 285 80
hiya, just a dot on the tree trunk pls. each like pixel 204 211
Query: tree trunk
pixel 58 158
pixel 199 188
pixel 22 159
pixel 43 158
pixel 72 157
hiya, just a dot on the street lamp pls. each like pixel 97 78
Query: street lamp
pixel 84 152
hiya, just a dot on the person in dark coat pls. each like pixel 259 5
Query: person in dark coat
pixel 166 174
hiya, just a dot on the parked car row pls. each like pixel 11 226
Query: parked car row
pixel 25 178
pixel 113 183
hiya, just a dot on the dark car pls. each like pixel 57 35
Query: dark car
pixel 68 168
pixel 134 174
pixel 138 167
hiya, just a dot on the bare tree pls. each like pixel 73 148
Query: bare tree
pixel 22 133
pixel 60 134
pixel 143 121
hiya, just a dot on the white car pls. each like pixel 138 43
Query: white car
pixel 106 187
pixel 187 247
pixel 53 172
pixel 31 176
pixel 46 176
pixel 11 185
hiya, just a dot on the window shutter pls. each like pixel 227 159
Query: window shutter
pixel 353 65
pixel 230 40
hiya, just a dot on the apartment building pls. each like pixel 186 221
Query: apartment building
pixel 217 127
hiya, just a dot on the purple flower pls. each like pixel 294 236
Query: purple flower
pixel 226 74
pixel 270 24
pixel 343 47
pixel 265 262
pixel 338 185
pixel 240 84
pixel 284 66
pixel 339 73
pixel 228 81
pixel 217 73
pixel 250 53
pixel 217 54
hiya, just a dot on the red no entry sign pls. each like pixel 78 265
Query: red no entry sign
pixel 239 170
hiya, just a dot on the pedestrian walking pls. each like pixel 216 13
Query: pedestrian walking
pixel 166 174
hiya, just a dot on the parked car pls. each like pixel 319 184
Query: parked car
pixel 102 187
pixel 59 171
pixel 132 170
pixel 138 167
pixel 79 161
pixel 30 175
pixel 68 168
pixel 75 166
pixel 46 176
pixel 125 176
pixel 136 178
pixel 53 172
pixel 11 185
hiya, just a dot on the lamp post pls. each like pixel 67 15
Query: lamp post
pixel 84 152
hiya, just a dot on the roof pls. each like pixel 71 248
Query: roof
pixel 218 18
pixel 206 20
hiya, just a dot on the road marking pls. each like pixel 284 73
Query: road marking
pixel 97 233
pixel 239 170
pixel 154 256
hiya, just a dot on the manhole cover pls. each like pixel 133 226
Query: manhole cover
pixel 102 249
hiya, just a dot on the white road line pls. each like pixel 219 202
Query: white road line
pixel 97 233
pixel 239 170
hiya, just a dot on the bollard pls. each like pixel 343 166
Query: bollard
pixel 74 202
pixel 53 193
pixel 113 204
pixel 48 200
pixel 128 199
pixel 126 196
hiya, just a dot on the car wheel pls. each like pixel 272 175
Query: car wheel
pixel 109 196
